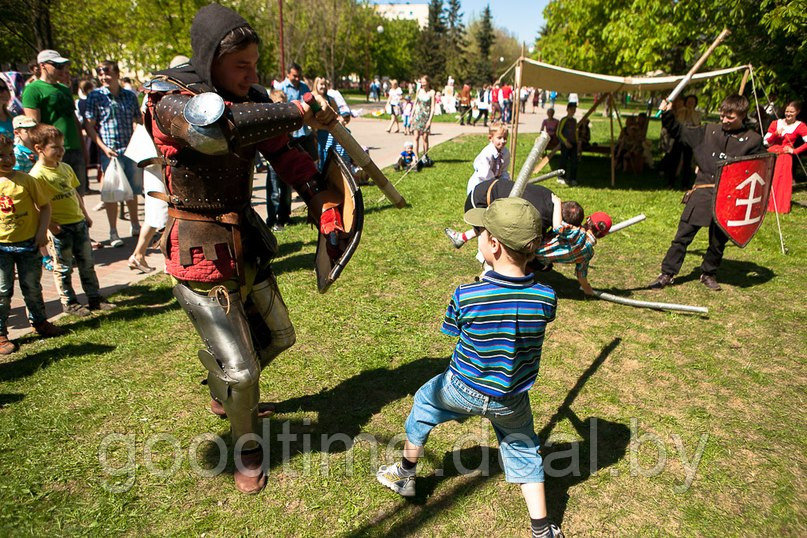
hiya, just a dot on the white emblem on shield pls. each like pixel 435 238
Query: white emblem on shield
pixel 748 202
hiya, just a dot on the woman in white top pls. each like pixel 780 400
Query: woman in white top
pixel 394 105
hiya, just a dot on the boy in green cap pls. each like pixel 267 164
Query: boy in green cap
pixel 500 322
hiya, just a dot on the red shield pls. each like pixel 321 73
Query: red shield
pixel 741 195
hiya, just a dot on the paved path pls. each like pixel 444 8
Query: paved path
pixel 111 263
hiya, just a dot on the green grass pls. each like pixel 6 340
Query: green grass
pixel 736 376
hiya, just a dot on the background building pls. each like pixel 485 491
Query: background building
pixel 413 11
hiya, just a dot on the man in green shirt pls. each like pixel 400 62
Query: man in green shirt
pixel 51 102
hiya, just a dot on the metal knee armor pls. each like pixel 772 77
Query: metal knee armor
pixel 230 358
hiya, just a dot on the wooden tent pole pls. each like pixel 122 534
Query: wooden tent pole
pixel 516 102
pixel 745 80
pixel 611 118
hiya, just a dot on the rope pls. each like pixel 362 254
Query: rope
pixel 773 193
pixel 404 175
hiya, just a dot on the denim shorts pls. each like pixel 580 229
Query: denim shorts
pixel 446 397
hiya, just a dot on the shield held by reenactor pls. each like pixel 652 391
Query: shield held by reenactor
pixel 335 249
pixel 742 189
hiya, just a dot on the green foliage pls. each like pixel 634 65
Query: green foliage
pixel 484 38
pixel 634 37
pixel 393 54
pixel 431 49
pixel 456 43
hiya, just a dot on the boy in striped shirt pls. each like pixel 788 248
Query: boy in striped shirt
pixel 500 322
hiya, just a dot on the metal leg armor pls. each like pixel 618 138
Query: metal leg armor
pixel 273 313
pixel 230 358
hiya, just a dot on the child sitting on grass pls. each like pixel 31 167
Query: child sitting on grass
pixel 407 158
pixel 494 159
pixel 508 307
pixel 69 223
pixel 24 214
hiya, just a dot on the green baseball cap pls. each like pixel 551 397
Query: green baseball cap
pixel 513 221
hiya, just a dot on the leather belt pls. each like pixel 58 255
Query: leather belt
pixel 232 217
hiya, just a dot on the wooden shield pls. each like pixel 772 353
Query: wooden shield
pixel 340 179
pixel 742 189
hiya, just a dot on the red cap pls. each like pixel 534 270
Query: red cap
pixel 600 223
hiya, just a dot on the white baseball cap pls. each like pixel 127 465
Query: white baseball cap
pixel 50 56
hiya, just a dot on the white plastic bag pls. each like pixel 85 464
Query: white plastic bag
pixel 116 187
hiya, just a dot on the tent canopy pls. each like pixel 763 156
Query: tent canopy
pixel 564 80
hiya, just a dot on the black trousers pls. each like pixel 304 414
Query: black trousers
pixel 482 112
pixel 568 161
pixel 683 237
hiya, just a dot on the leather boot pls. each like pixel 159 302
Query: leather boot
pixel 253 478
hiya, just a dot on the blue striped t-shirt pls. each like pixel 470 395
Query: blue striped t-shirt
pixel 500 322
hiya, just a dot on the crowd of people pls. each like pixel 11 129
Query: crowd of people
pixel 219 254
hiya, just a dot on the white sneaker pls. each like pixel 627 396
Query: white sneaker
pixel 397 479
pixel 562 181
pixel 114 240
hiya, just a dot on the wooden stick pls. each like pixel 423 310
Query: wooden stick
pixel 684 81
pixel 745 80
pixel 360 157
pixel 516 102
pixel 611 118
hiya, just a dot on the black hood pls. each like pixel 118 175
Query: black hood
pixel 210 25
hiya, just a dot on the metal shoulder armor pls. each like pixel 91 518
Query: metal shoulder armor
pixel 196 120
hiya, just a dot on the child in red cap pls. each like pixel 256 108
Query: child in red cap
pixel 574 244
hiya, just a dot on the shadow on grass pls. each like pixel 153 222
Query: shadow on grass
pixel 25 366
pixel 741 274
pixel 604 443
pixel 133 302
pixel 342 412
pixel 6 399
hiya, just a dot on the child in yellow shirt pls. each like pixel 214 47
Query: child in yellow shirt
pixel 69 223
pixel 24 215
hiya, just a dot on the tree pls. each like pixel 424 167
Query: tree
pixel 394 50
pixel 431 48
pixel 609 36
pixel 455 42
pixel 484 38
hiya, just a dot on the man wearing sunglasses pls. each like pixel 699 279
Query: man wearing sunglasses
pixel 49 101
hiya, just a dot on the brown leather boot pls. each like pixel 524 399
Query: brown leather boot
pixel 265 409
pixel 7 347
pixel 253 479
pixel 46 329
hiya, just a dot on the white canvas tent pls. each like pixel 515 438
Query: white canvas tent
pixel 564 80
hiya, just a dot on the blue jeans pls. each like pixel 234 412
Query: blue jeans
pixel 73 242
pixel 278 199
pixel 445 397
pixel 133 173
pixel 29 270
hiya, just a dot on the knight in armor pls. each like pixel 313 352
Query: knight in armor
pixel 710 143
pixel 208 118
